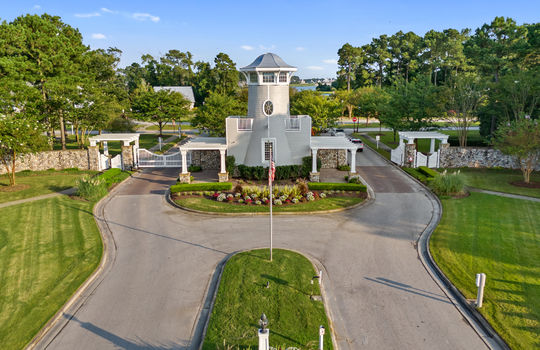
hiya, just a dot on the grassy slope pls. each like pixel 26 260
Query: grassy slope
pixel 45 255
pixel 500 237
pixel 40 182
pixel 293 319
pixel 499 180
pixel 203 204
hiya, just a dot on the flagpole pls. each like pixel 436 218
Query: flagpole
pixel 270 184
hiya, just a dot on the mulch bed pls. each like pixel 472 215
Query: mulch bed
pixel 531 184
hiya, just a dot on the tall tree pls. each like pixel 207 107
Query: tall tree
pixel 348 61
pixel 379 56
pixel 225 74
pixel 211 116
pixel 324 112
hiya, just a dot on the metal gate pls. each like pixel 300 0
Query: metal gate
pixel 116 161
pixel 149 159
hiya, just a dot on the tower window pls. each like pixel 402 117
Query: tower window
pixel 269 149
pixel 268 77
pixel 253 77
pixel 282 77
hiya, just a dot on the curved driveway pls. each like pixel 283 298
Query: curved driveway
pixel 379 293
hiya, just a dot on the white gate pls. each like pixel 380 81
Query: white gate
pixel 116 162
pixel 397 155
pixel 433 160
pixel 103 162
pixel 421 160
pixel 148 159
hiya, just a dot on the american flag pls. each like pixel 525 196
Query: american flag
pixel 272 171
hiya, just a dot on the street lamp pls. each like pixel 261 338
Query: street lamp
pixel 263 322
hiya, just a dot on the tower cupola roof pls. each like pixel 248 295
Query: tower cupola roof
pixel 268 61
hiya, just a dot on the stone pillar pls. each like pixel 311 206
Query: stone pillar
pixel 443 150
pixel 222 163
pixel 127 156
pixel 353 159
pixel 184 161
pixel 410 155
pixel 432 146
pixel 184 178
pixel 93 157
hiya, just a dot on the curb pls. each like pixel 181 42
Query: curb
pixel 197 338
pixel 477 322
pixel 58 322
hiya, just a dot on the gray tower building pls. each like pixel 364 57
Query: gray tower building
pixel 268 125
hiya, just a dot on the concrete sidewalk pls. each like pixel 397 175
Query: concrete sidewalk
pixel 68 191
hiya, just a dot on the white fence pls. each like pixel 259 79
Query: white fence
pixel 292 123
pixel 103 162
pixel 398 156
pixel 147 159
pixel 116 161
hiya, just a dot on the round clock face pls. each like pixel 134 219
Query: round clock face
pixel 268 108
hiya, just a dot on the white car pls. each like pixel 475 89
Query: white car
pixel 358 142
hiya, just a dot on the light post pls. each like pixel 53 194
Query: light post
pixel 321 337
pixel 263 333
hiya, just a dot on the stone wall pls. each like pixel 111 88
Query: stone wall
pixel 332 158
pixel 457 157
pixel 54 160
pixel 206 159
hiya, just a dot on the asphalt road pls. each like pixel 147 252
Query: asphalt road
pixel 379 293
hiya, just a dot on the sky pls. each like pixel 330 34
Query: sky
pixel 306 34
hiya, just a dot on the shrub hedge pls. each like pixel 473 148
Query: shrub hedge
pixel 428 171
pixel 336 186
pixel 112 176
pixel 205 186
pixel 194 168
pixel 416 174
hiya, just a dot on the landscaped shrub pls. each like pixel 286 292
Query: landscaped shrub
pixel 416 174
pixel 205 186
pixel 194 168
pixel 307 163
pixel 427 171
pixel 344 168
pixel 354 180
pixel 91 188
pixel 112 176
pixel 336 186
pixel 448 183
pixel 230 164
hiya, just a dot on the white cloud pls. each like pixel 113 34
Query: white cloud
pixel 88 15
pixel 144 17
pixel 265 48
pixel 247 47
pixel 104 9
pixel 98 36
pixel 36 7
pixel 330 61
pixel 315 68
pixel 300 48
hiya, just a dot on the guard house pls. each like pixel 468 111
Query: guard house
pixel 269 127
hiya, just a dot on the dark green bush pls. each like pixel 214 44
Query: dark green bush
pixel 344 168
pixel 306 165
pixel 112 176
pixel 336 186
pixel 448 183
pixel 194 168
pixel 205 186
pixel 91 188
pixel 427 171
pixel 416 174
pixel 230 163
pixel 354 180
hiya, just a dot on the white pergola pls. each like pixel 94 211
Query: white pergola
pixel 125 138
pixel 410 136
pixel 204 144
pixel 332 142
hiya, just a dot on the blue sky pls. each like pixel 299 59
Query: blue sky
pixel 306 34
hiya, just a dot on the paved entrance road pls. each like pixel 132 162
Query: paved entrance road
pixel 379 293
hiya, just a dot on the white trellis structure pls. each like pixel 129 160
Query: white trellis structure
pixel 204 144
pixel 431 160
pixel 105 161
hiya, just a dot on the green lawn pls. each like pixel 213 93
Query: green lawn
pixel 47 249
pixel 500 237
pixel 293 318
pixel 169 127
pixel 499 180
pixel 209 205
pixel 387 137
pixel 373 145
pixel 38 183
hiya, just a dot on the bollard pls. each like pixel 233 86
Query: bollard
pixel 480 283
pixel 159 139
pixel 321 337
pixel 263 339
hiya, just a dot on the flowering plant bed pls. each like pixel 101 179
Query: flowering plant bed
pixel 257 199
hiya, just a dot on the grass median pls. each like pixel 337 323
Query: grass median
pixel 293 317
pixel 501 238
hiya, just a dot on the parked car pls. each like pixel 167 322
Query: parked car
pixel 339 134
pixel 334 131
pixel 358 142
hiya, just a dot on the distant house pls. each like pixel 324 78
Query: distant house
pixel 186 91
